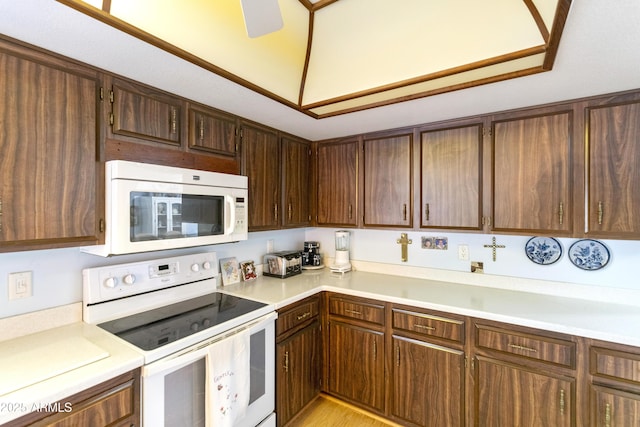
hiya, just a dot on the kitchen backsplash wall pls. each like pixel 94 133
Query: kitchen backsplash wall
pixel 381 246
pixel 57 274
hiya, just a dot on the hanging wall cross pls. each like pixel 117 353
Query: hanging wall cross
pixel 404 241
pixel 494 246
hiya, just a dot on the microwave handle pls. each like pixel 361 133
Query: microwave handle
pixel 230 226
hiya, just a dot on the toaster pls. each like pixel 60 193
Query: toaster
pixel 282 264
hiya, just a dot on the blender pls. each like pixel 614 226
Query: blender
pixel 341 262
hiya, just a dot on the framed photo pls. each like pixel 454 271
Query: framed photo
pixel 248 270
pixel 230 271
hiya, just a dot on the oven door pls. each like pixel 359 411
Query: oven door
pixel 174 388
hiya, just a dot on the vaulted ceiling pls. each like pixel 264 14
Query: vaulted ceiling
pixel 598 53
pixel 336 56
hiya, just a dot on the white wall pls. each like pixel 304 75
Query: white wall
pixel 380 246
pixel 57 274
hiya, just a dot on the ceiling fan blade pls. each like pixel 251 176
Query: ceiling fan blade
pixel 261 17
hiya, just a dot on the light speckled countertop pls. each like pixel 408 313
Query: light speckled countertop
pixel 587 318
pixel 46 378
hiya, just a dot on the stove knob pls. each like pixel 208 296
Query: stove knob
pixel 206 265
pixel 111 282
pixel 195 268
pixel 206 323
pixel 129 279
pixel 195 326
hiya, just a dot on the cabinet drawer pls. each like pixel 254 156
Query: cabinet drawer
pixel 536 347
pixel 290 318
pixel 615 364
pixel 355 309
pixel 428 325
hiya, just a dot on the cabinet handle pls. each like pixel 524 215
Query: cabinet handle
pixel 428 328
pixel 561 402
pixel 521 347
pixel 397 355
pixel 173 118
pixel 275 211
pixel 561 212
pixel 404 212
pixel 0 214
pixel 289 213
pixel 375 350
pixel 600 213
pixel 353 312
pixel 304 316
pixel 607 415
pixel 350 211
pixel 426 212
pixel 201 128
pixel 286 361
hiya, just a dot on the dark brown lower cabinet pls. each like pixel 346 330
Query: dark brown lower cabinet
pixel 115 402
pixel 428 383
pixel 298 371
pixel 513 395
pixel 356 364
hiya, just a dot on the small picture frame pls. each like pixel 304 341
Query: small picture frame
pixel 248 270
pixel 230 271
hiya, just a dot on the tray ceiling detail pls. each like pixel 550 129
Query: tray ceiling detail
pixel 337 56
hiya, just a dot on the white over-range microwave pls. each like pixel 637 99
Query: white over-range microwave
pixel 153 207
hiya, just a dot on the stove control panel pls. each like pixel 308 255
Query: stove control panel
pixel 111 282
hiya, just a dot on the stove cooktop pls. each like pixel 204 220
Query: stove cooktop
pixel 155 328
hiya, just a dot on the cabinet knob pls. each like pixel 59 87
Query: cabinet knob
pixel 600 213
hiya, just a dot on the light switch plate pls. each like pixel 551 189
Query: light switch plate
pixel 20 285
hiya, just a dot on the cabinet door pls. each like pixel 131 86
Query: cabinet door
pixel 296 164
pixel 338 184
pixel 614 156
pixel 512 395
pixel 298 372
pixel 611 407
pixel 451 178
pixel 261 164
pixel 532 174
pixel 49 192
pixel 387 181
pixel 142 113
pixel 356 364
pixel 428 383
pixel 212 131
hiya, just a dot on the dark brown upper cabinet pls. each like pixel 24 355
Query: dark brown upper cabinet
pixel 532 169
pixel 451 181
pixel 296 175
pixel 212 131
pixel 613 173
pixel 261 164
pixel 51 191
pixel 139 112
pixel 337 192
pixel 388 172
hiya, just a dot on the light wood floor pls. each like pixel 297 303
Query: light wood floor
pixel 326 411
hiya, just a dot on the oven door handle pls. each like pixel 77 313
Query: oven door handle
pixel 165 366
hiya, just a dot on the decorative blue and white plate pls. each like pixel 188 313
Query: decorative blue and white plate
pixel 543 250
pixel 589 254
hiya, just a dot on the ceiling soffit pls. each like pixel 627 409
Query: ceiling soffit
pixel 337 56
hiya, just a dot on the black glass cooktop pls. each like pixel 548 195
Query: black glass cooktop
pixel 154 328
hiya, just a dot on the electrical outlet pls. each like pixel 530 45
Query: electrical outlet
pixel 463 252
pixel 269 246
pixel 20 285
